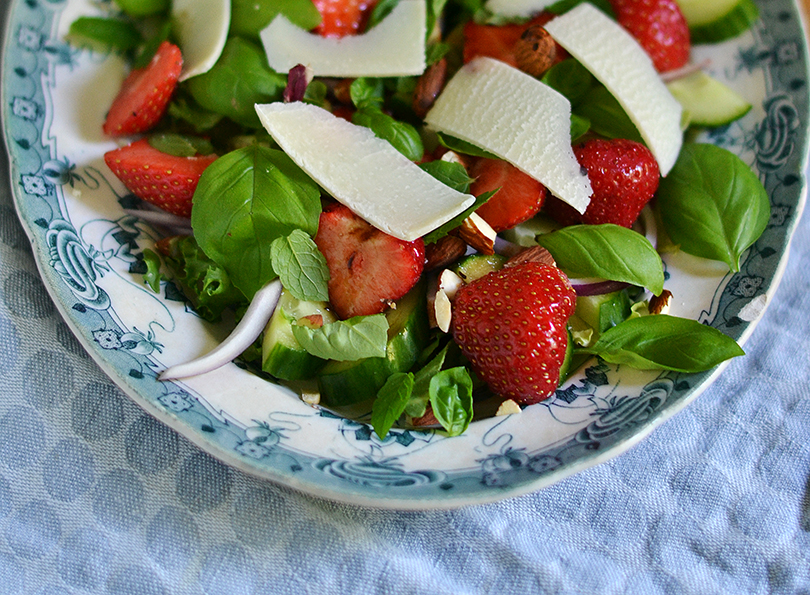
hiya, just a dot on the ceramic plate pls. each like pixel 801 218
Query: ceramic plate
pixel 90 254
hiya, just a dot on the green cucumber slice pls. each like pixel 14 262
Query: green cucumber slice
pixel 712 21
pixel 708 101
pixel 282 355
pixel 342 384
pixel 475 266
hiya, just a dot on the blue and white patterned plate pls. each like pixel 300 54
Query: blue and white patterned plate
pixel 90 254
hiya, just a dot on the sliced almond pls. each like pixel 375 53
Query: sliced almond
pixel 478 234
pixel 442 311
pixel 659 304
pixel 508 407
pixel 533 254
pixel 427 420
pixel 444 251
pixel 428 87
pixel 450 282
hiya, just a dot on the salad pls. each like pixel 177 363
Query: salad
pixel 469 286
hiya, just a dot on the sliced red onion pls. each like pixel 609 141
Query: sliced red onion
pixel 246 332
pixel 506 248
pixel 298 79
pixel 162 218
pixel 585 288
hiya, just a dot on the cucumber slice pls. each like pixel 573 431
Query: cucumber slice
pixel 476 266
pixel 708 101
pixel 602 312
pixel 712 21
pixel 346 383
pixel 282 355
pixel 524 234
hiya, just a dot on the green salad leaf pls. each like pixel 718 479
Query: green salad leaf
pixel 244 201
pixel 104 34
pixel 606 116
pixel 451 399
pixel 152 276
pixel 346 340
pixel 608 252
pixel 713 204
pixel 402 136
pixel 300 266
pixel 249 17
pixel 664 342
pixel 390 402
pixel 446 228
pixel 450 174
pixel 420 395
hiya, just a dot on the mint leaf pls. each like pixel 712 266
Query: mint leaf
pixel 346 340
pixel 451 399
pixel 300 266
pixel 449 174
pixel 712 204
pixel 664 342
pixel 245 200
pixel 606 251
pixel 390 402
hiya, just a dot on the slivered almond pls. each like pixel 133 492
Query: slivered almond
pixel 478 234
pixel 428 87
pixel 533 254
pixel 443 252
pixel 659 304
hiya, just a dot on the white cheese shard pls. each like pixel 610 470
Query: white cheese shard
pixel 395 47
pixel 614 57
pixel 517 8
pixel 202 30
pixel 513 115
pixel 362 171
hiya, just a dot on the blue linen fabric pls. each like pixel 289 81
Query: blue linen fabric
pixel 98 497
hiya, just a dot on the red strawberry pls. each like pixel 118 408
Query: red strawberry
pixel 343 17
pixel 511 325
pixel 659 27
pixel 368 268
pixel 156 177
pixel 145 94
pixel 519 198
pixel 624 176
pixel 498 41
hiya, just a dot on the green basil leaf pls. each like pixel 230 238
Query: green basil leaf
pixel 246 199
pixel 435 52
pixel 664 342
pixel 316 93
pixel 249 17
pixel 402 136
pixel 570 78
pixel 102 34
pixel 390 402
pixel 183 107
pixel 451 399
pixel 579 127
pixel 346 340
pixel 606 251
pixel 443 230
pixel 180 145
pixel 143 8
pixel 562 6
pixel 450 174
pixel 367 92
pixel 240 79
pixel 712 204
pixel 606 115
pixel 462 146
pixel 300 266
pixel 381 10
pixel 152 276
pixel 420 394
pixel 150 47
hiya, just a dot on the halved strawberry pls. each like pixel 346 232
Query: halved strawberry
pixel 519 198
pixel 368 268
pixel 145 94
pixel 164 180
pixel 660 28
pixel 343 17
pixel 498 41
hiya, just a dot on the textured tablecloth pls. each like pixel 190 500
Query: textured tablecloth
pixel 97 497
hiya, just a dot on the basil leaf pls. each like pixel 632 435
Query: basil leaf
pixel 462 146
pixel 346 340
pixel 402 136
pixel 381 10
pixel 152 276
pixel 240 79
pixel 435 52
pixel 712 204
pixel 390 402
pixel 249 17
pixel 451 399
pixel 300 266
pixel 606 251
pixel 366 92
pixel 246 199
pixel 579 126
pixel 150 47
pixel 449 174
pixel 183 107
pixel 571 79
pixel 180 145
pixel 664 342
pixel 443 230
pixel 606 115
pixel 103 34
pixel 420 394
pixel 316 94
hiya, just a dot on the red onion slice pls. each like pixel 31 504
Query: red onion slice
pixel 597 287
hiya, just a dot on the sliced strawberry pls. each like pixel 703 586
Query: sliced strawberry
pixel 164 180
pixel 499 41
pixel 624 176
pixel 659 27
pixel 145 94
pixel 519 198
pixel 343 17
pixel 511 325
pixel 368 268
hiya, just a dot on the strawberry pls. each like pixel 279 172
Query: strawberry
pixel 511 325
pixel 499 41
pixel 624 176
pixel 659 27
pixel 343 17
pixel 145 94
pixel 164 180
pixel 519 198
pixel 368 268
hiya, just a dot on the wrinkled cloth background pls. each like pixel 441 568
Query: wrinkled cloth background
pixel 97 497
